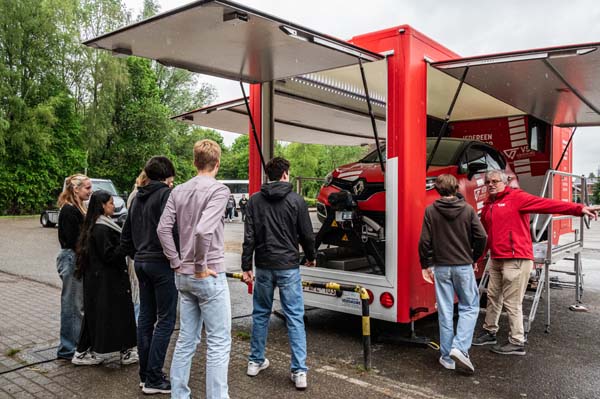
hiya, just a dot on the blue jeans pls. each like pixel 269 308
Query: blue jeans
pixel 156 321
pixel 71 304
pixel 292 304
pixel 202 302
pixel 448 280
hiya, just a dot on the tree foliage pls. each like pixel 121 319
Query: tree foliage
pixel 66 108
pixel 596 193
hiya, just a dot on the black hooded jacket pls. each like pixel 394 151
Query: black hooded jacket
pixel 139 232
pixel 277 220
pixel 451 235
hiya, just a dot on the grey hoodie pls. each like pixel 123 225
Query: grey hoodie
pixel 452 234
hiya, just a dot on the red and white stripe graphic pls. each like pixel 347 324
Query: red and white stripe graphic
pixel 516 129
pixel 523 167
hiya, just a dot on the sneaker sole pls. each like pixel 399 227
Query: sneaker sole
pixel 517 353
pixel 86 363
pixel 462 367
pixel 254 375
pixel 447 366
pixel 297 387
pixel 154 391
pixel 485 343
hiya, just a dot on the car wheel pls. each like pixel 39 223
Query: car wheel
pixel 45 220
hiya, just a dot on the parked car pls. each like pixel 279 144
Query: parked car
pixel 49 218
pixel 356 192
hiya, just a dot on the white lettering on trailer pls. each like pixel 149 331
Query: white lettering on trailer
pixel 355 302
pixel 486 137
pixel 479 205
pixel 480 182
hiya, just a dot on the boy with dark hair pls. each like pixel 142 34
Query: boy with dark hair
pixel 158 295
pixel 277 220
pixel 159 168
pixel 452 240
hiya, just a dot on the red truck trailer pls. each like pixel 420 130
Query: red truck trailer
pixel 394 88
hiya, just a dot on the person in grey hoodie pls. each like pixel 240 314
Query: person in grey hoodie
pixel 198 207
pixel 452 240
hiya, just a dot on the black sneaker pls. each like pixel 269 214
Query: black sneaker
pixel 486 338
pixel 509 349
pixel 163 386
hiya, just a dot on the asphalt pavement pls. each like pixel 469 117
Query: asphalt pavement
pixel 563 363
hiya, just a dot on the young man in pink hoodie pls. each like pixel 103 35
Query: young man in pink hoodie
pixel 197 207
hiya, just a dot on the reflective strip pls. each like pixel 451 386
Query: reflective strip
pixel 366 326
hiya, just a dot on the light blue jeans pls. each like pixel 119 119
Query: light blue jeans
pixel 71 304
pixel 292 304
pixel 459 280
pixel 202 302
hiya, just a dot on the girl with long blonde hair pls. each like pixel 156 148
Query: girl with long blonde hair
pixel 76 192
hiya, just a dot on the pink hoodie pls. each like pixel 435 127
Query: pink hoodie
pixel 198 208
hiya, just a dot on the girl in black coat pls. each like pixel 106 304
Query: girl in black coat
pixel 108 322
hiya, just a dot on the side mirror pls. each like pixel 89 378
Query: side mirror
pixel 476 167
pixel 125 195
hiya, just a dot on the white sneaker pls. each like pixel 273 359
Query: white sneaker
pixel 130 356
pixel 448 364
pixel 463 363
pixel 87 358
pixel 255 368
pixel 299 378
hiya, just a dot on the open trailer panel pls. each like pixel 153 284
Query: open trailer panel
pixel 225 39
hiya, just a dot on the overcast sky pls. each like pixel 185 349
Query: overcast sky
pixel 467 27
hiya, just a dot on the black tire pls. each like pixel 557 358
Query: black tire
pixel 45 220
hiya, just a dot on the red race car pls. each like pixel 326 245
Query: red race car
pixel 351 202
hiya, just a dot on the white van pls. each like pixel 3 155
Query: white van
pixel 237 188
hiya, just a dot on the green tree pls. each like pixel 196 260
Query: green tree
pixel 140 127
pixel 596 193
pixel 235 163
pixel 38 122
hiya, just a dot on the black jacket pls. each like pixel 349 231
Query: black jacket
pixel 277 220
pixel 109 321
pixel 70 220
pixel 139 236
pixel 451 235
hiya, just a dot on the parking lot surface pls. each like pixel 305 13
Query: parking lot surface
pixel 562 364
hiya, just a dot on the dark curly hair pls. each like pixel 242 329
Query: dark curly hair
pixel 276 167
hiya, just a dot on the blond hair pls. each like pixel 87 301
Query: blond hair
pixel 446 185
pixel 68 196
pixel 141 180
pixel 206 154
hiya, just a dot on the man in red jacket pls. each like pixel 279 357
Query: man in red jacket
pixel 505 218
